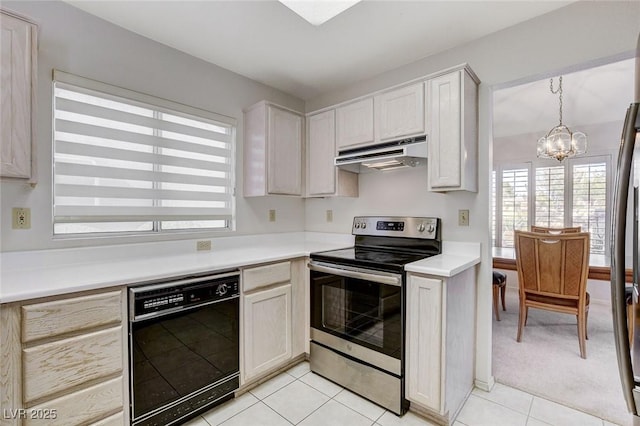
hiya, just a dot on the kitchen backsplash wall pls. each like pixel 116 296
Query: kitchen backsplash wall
pixel 396 193
pixel 73 41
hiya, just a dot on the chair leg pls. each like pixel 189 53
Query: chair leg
pixel 586 323
pixel 582 331
pixel 522 314
pixel 502 291
pixel 495 302
pixel 526 315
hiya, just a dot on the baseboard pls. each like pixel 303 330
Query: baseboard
pixel 485 386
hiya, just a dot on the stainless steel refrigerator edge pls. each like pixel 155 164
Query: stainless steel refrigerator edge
pixel 627 177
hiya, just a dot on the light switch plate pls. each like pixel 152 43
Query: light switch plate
pixel 463 217
pixel 329 215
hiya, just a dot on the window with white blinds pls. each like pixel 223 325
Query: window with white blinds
pixel 515 199
pixel 590 202
pixel 573 193
pixel 549 195
pixel 128 162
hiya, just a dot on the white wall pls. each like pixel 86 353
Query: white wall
pixel 570 38
pixel 79 43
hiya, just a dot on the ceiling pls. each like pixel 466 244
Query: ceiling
pixel 269 43
pixel 592 96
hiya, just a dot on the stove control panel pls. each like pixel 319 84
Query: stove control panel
pixel 406 227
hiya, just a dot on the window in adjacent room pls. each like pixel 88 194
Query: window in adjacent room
pixel 124 162
pixel 573 193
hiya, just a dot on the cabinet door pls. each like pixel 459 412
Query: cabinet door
pixel 16 87
pixel 267 330
pixel 322 150
pixel 400 112
pixel 285 152
pixel 354 124
pixel 444 112
pixel 424 342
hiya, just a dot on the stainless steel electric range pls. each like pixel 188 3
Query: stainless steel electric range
pixel 358 302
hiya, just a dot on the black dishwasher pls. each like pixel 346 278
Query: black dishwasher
pixel 183 341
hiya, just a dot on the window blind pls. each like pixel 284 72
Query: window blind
pixel 137 162
pixel 549 195
pixel 590 201
pixel 515 184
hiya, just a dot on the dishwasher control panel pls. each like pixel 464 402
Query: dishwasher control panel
pixel 181 294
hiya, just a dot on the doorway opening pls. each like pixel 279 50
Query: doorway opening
pixel 526 191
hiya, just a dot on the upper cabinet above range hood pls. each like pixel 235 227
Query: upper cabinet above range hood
pixel 408 152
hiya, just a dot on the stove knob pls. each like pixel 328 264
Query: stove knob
pixel 222 289
pixel 357 225
pixel 421 227
pixel 364 225
pixel 431 229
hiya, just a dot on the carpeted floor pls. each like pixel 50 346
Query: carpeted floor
pixel 547 361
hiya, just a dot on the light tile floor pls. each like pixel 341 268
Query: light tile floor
pixel 300 397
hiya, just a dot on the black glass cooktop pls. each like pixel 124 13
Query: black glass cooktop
pixel 370 258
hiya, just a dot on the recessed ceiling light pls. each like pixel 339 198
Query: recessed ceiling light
pixel 317 12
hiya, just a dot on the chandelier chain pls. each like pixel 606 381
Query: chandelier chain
pixel 558 90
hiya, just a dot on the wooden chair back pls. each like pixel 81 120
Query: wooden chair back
pixel 567 230
pixel 553 266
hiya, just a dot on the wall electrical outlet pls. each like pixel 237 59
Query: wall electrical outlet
pixel 463 217
pixel 329 215
pixel 21 218
pixel 203 245
pixel 272 215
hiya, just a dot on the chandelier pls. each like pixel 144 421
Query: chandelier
pixel 561 142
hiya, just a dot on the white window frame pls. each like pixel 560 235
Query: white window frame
pixel 499 169
pixel 568 188
pixel 170 107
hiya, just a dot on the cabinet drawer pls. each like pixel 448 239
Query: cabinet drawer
pixel 115 420
pixel 263 276
pixel 62 316
pixel 82 406
pixel 60 365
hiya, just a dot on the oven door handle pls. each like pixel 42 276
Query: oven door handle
pixel 361 274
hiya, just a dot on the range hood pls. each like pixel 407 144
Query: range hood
pixel 409 152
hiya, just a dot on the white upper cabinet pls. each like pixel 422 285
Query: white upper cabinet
pixel 354 124
pixel 18 76
pixel 453 132
pixel 272 151
pixel 400 113
pixel 323 177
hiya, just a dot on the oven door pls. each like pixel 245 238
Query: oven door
pixel 358 312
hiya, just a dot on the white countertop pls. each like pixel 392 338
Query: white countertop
pixel 40 273
pixel 455 258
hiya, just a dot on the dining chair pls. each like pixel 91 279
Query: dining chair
pixel 552 275
pixel 567 230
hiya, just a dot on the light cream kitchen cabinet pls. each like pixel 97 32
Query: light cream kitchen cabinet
pixel 272 151
pixel 354 124
pixel 64 359
pixel 18 75
pixel 453 131
pixel 323 177
pixel 440 343
pixel 267 310
pixel 400 113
